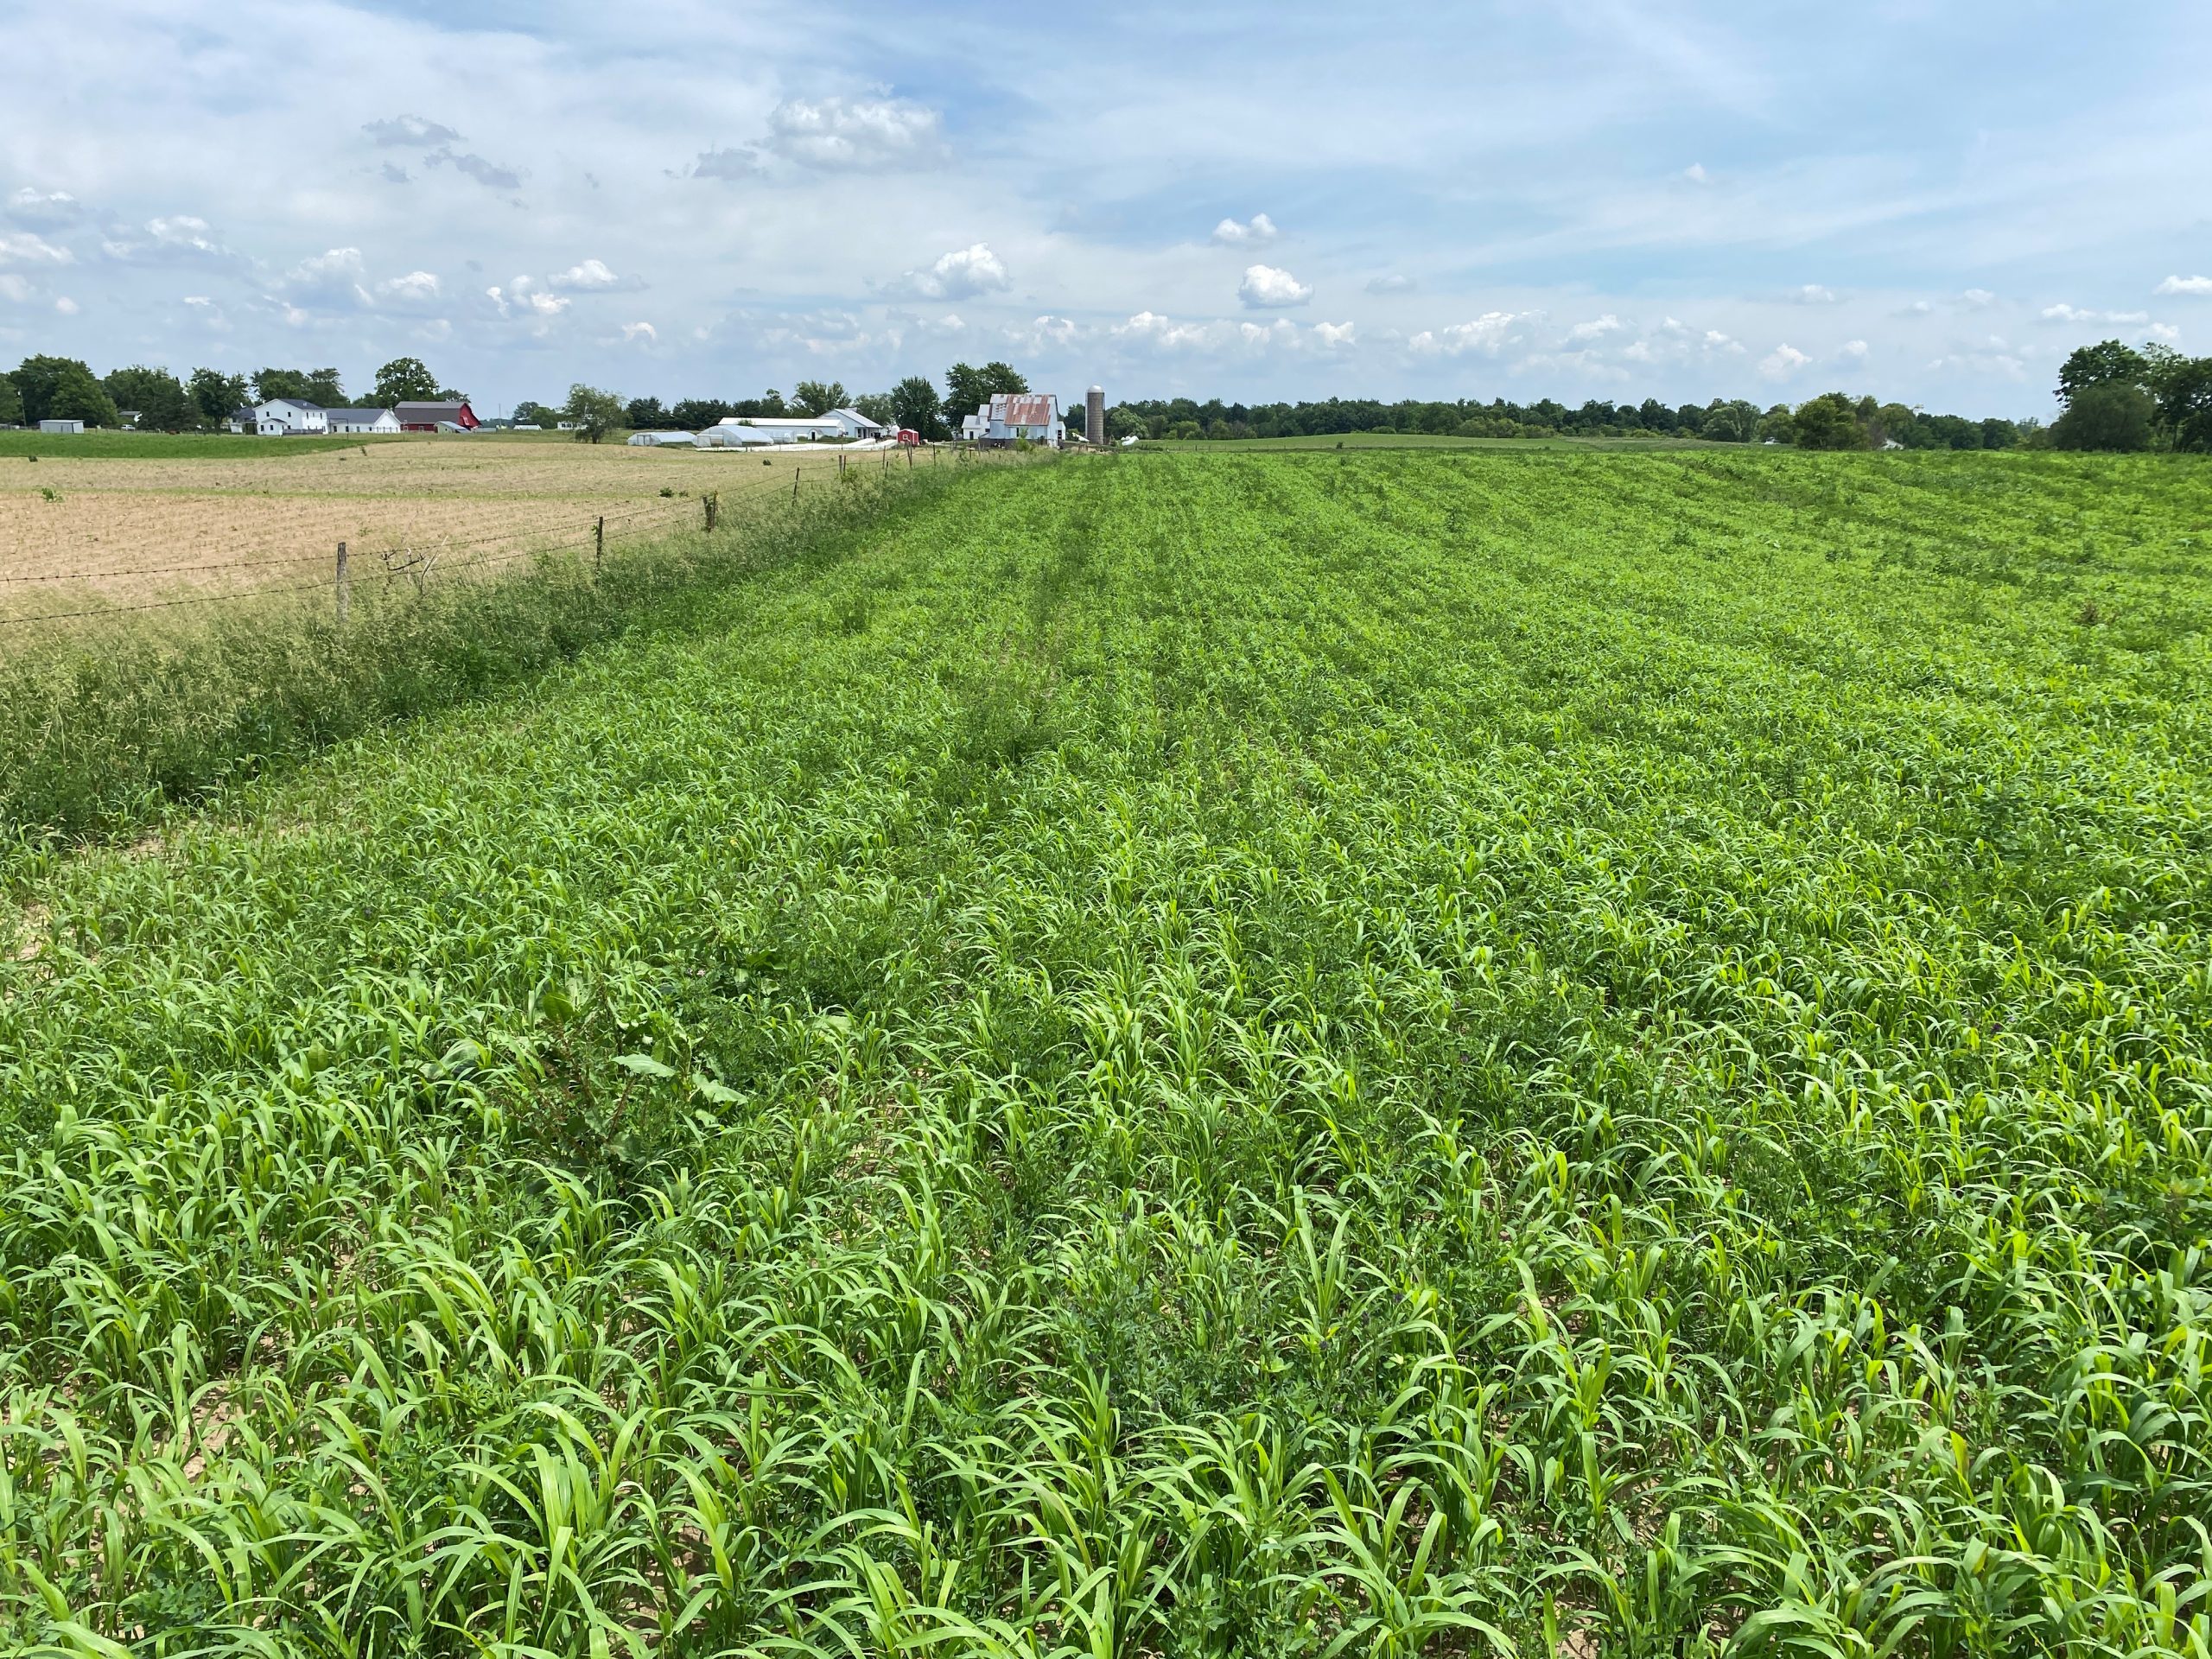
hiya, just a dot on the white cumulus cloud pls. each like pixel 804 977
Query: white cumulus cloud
pixel 1391 283
pixel 22 248
pixel 590 273
pixel 637 331
pixel 44 210
pixel 66 306
pixel 961 275
pixel 416 288
pixel 1695 173
pixel 1783 362
pixel 1257 229
pixel 1266 288
pixel 1335 333
pixel 1155 329
pixel 1596 328
pixel 2197 287
pixel 2069 313
pixel 1490 334
pixel 859 134
pixel 1813 293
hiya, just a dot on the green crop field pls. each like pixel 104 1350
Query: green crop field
pixel 1179 1053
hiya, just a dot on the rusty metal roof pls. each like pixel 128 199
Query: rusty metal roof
pixel 1022 409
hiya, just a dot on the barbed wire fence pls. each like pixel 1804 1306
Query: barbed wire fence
pixel 418 560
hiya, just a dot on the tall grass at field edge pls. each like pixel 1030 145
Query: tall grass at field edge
pixel 104 731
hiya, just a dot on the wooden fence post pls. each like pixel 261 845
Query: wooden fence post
pixel 794 482
pixel 714 505
pixel 345 587
pixel 598 546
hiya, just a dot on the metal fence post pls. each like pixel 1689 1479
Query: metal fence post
pixel 345 587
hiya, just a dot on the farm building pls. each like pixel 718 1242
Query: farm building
pixel 280 418
pixel 363 420
pixel 65 428
pixel 432 417
pixel 663 440
pixel 738 430
pixel 1011 416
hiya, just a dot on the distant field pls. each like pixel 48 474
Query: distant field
pixel 166 445
pixel 1426 441
pixel 90 527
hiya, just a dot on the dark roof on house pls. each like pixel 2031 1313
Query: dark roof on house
pixel 296 403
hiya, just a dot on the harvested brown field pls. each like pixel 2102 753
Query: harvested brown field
pixel 90 533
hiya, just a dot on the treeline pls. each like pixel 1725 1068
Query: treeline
pixel 1866 422
pixel 2114 398
pixel 915 404
pixel 66 389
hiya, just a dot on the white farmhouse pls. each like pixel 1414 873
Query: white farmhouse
pixel 283 417
pixel 376 421
pixel 1011 416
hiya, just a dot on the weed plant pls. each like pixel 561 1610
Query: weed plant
pixel 1177 1055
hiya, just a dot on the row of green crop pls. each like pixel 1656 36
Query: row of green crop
pixel 1194 1056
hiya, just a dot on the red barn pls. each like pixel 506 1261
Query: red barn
pixel 430 417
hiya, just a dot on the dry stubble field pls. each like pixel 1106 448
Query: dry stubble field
pixel 91 533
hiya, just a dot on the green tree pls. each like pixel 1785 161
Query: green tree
pixel 1830 421
pixel 159 397
pixel 2108 363
pixel 279 382
pixel 696 413
pixel 532 414
pixel 646 415
pixel 596 413
pixel 914 406
pixel 2183 387
pixel 814 397
pixel 1894 423
pixel 404 380
pixel 61 389
pixel 876 405
pixel 218 395
pixel 324 389
pixel 1730 422
pixel 968 388
pixel 12 402
pixel 2106 415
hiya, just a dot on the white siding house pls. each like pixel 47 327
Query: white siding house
pixel 1014 414
pixel 283 417
pixel 379 421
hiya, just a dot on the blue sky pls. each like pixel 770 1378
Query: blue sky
pixel 711 197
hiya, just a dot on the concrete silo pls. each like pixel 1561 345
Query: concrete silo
pixel 1094 416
